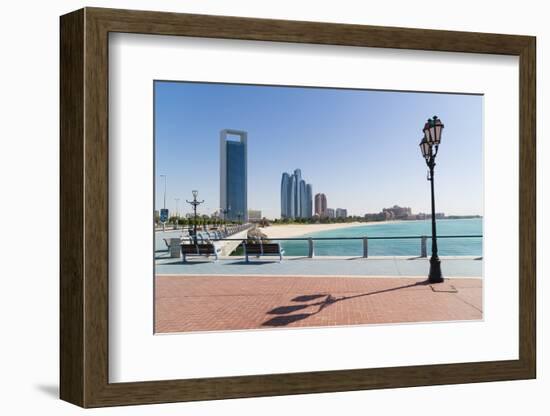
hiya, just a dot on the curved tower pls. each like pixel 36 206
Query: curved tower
pixel 303 199
pixel 285 196
pixel 309 201
pixel 297 195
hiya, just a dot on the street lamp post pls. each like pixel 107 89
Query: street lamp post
pixel 224 211
pixel 164 204
pixel 164 176
pixel 429 147
pixel 195 203
pixel 177 212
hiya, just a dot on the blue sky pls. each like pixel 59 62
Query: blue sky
pixel 359 147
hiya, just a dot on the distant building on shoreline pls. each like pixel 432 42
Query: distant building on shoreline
pixel 254 215
pixel 296 196
pixel 401 213
pixel 398 213
pixel 233 175
pixel 331 213
pixel 438 216
pixel 341 213
pixel 321 205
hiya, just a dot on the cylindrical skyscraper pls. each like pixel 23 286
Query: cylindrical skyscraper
pixel 309 199
pixel 303 199
pixel 287 199
pixel 297 195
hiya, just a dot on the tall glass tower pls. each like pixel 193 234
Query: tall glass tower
pixel 309 201
pixel 286 195
pixel 292 197
pixel 233 174
pixel 296 196
pixel 297 193
pixel 303 199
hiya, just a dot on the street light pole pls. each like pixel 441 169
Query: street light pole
pixel 435 275
pixel 164 176
pixel 164 204
pixel 195 203
pixel 225 211
pixel 177 212
pixel 429 147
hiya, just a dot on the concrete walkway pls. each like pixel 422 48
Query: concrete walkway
pixel 319 266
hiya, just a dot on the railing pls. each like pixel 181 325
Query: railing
pixel 209 227
pixel 365 239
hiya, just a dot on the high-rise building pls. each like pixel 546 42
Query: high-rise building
pixel 287 203
pixel 233 174
pixel 341 213
pixel 292 197
pixel 296 196
pixel 321 205
pixel 303 199
pixel 288 196
pixel 309 199
pixel 330 213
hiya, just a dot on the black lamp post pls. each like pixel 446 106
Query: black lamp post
pixel 225 211
pixel 429 146
pixel 195 203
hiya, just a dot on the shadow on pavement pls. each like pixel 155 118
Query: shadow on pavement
pixel 284 319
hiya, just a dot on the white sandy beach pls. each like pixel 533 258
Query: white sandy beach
pixel 296 230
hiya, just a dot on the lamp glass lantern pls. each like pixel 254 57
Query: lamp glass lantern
pixel 432 131
pixel 195 193
pixel 425 148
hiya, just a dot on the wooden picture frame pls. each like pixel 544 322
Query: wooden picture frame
pixel 84 207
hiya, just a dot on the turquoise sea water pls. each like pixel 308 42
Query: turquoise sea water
pixel 410 247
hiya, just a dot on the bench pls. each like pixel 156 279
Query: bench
pixel 199 249
pixel 260 249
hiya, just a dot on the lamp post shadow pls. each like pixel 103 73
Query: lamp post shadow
pixel 283 318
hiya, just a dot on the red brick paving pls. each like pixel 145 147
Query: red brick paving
pixel 214 303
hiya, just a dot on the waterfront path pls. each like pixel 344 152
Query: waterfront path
pixel 327 266
pixel 186 303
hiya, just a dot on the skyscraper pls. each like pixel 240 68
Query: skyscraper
pixel 309 199
pixel 288 196
pixel 303 199
pixel 296 196
pixel 233 175
pixel 321 205
pixel 285 196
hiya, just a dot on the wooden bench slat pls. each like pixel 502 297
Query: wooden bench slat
pixel 199 249
pixel 263 249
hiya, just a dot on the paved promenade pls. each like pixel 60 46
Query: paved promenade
pixel 319 266
pixel 218 303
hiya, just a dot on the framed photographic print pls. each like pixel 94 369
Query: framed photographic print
pixel 255 207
